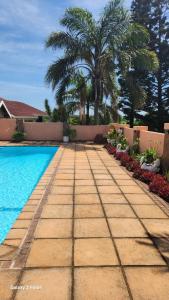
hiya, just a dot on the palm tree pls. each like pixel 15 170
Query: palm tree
pixel 89 45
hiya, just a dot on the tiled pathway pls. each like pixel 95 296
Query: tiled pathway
pixel 92 239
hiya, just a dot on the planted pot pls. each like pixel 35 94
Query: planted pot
pixel 153 167
pixel 119 149
pixel 66 139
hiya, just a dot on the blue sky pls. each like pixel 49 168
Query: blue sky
pixel 24 26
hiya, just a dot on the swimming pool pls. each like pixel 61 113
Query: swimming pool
pixel 20 170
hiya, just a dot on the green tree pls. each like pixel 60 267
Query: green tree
pixel 134 59
pixel 89 45
pixel 154 16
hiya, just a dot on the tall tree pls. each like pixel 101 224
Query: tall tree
pixel 154 15
pixel 89 45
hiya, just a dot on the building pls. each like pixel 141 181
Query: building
pixel 19 110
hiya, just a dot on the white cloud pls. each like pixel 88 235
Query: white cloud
pixel 28 15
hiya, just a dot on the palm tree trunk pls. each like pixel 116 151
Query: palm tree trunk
pixel 87 112
pixel 97 102
pixel 132 116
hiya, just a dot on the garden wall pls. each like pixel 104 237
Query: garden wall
pixel 43 131
pixel 7 128
pixel 88 132
pixel 152 139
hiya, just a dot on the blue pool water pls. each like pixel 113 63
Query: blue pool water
pixel 20 170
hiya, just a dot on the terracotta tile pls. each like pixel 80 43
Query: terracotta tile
pixel 109 282
pixel 129 182
pixel 54 228
pixel 116 170
pixel 33 202
pixel 21 224
pixel 109 189
pixel 131 189
pixel 83 182
pixel 65 171
pixel 138 252
pixel 126 228
pixel 122 176
pixel 7 279
pixel 113 198
pixel 87 199
pixel 100 171
pixel 85 190
pixel 149 211
pixel 63 182
pixel 102 176
pixel 16 233
pixel 52 282
pixel 64 176
pixel 62 190
pixel 83 176
pixel 95 252
pixel 139 199
pixel 91 228
pixel 148 283
pixel 28 208
pixel 60 199
pixel 119 211
pixel 157 227
pixel 105 182
pixel 88 211
pixel 8 251
pixel 50 253
pixel 57 211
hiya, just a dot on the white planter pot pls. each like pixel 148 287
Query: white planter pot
pixel 66 139
pixel 154 167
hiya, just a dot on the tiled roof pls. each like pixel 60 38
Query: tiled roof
pixel 20 109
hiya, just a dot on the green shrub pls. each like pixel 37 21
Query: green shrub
pixel 18 136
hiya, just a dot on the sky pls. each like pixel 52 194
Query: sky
pixel 24 27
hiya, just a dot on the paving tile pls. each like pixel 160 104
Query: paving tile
pixel 8 251
pixel 7 280
pixel 83 176
pixel 91 228
pixel 124 182
pixel 50 253
pixel 149 211
pixel 88 211
pixel 21 224
pixel 85 190
pixel 131 189
pixel 121 176
pixel 16 233
pixel 87 199
pixel 148 283
pixel 84 182
pixel 95 252
pixel 138 251
pixel 100 283
pixel 60 199
pixel 157 227
pixel 62 190
pixel 126 228
pixel 26 215
pixel 64 176
pixel 52 283
pixel 100 171
pixel 139 199
pixel 119 211
pixel 105 182
pixel 113 198
pixel 102 176
pixel 109 189
pixel 61 182
pixel 57 211
pixel 54 228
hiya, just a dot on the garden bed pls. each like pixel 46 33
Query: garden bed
pixel 157 183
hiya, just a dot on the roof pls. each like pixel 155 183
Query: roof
pixel 20 109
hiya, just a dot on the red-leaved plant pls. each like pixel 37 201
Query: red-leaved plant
pixel 147 176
